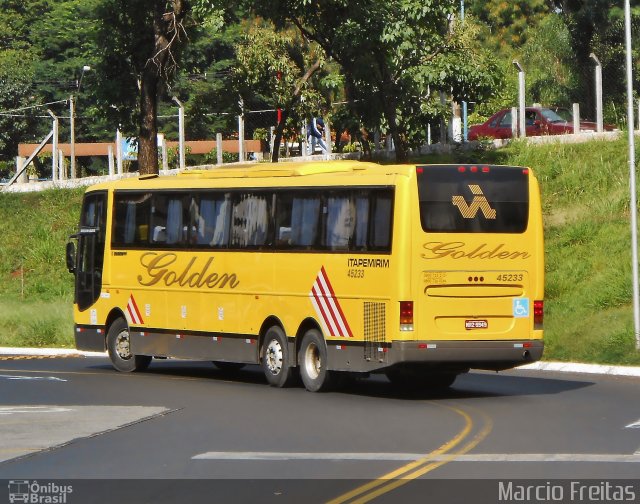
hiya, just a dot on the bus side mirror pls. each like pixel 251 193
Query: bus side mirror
pixel 71 257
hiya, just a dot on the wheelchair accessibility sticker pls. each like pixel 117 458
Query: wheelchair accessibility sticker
pixel 521 307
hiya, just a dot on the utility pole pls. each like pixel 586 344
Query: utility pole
pixel 72 122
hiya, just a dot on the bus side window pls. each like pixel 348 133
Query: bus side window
pixel 131 219
pixel 381 225
pixel 212 221
pixel 175 222
pixel 305 215
pixel 251 216
pixel 362 221
pixel 340 222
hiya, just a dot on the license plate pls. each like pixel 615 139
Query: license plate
pixel 476 324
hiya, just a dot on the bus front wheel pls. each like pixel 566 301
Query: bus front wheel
pixel 312 359
pixel 275 360
pixel 119 348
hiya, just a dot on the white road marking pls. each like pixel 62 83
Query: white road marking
pixel 372 456
pixel 634 425
pixel 12 410
pixel 42 378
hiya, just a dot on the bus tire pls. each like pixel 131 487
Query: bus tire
pixel 275 360
pixel 119 348
pixel 312 359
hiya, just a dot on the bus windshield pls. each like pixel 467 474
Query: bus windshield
pixel 473 199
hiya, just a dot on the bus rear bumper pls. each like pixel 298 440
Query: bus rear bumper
pixel 493 355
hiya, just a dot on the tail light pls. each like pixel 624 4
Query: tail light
pixel 538 314
pixel 406 315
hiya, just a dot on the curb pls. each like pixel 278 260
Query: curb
pixel 557 367
pixel 575 367
pixel 21 352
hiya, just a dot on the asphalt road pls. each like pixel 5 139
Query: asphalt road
pixel 186 431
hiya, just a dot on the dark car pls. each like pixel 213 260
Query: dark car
pixel 538 120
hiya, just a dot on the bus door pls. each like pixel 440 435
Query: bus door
pixel 477 253
pixel 88 262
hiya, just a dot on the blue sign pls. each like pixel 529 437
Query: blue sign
pixel 521 307
pixel 129 149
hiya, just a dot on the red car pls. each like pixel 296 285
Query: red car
pixel 539 121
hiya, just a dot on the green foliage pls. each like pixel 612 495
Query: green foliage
pixel 549 59
pixel 227 157
pixel 509 21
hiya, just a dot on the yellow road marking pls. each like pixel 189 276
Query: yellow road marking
pixel 488 425
pixel 398 473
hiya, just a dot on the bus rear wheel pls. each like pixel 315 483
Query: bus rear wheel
pixel 275 360
pixel 119 348
pixel 312 359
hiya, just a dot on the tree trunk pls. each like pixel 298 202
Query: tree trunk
pixel 166 31
pixel 389 107
pixel 275 155
pixel 147 143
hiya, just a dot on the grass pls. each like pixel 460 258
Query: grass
pixel 588 300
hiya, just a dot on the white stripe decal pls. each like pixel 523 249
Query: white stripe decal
pixel 327 307
pixel 134 313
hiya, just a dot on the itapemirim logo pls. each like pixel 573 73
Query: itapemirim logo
pixel 479 202
pixel 33 492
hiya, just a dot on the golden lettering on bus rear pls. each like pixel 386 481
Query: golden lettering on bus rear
pixel 157 269
pixel 460 250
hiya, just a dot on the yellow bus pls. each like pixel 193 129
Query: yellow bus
pixel 315 269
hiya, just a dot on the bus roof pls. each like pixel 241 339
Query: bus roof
pixel 271 174
pixel 311 173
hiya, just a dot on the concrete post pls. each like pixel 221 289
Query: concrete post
pixel 241 138
pixel 112 168
pixel 522 126
pixel 165 153
pixel 72 128
pixel 22 179
pixel 181 153
pixel 61 167
pixel 576 118
pixel 376 140
pixel 514 122
pixel 327 139
pixel 272 137
pixel 54 148
pixel 219 148
pixel 598 78
pixel 119 151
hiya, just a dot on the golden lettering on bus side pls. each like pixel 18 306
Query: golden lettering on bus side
pixel 459 250
pixel 158 271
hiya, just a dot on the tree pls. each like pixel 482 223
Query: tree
pixel 140 42
pixel 509 22
pixel 391 53
pixel 286 70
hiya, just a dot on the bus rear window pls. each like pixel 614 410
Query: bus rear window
pixel 473 199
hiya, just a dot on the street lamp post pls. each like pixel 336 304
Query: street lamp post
pixel 633 208
pixel 72 121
